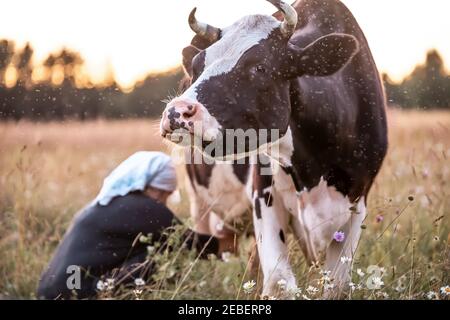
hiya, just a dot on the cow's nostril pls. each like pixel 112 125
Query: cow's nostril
pixel 190 112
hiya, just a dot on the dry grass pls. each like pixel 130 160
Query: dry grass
pixel 49 171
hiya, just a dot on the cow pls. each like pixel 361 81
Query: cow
pixel 306 73
pixel 218 200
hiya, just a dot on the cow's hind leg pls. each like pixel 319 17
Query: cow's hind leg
pixel 340 255
pixel 324 211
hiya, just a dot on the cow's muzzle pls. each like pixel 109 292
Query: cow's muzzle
pixel 183 116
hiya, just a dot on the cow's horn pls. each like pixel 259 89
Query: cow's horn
pixel 202 29
pixel 290 16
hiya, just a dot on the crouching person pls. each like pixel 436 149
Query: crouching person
pixel 103 236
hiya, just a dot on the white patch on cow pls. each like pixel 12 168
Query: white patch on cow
pixel 236 39
pixel 285 187
pixel 249 184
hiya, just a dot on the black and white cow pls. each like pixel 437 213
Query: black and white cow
pixel 218 199
pixel 312 77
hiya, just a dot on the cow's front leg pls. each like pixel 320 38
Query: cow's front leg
pixel 270 221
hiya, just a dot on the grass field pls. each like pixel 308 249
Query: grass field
pixel 49 171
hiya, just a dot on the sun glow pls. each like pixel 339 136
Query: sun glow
pixel 131 38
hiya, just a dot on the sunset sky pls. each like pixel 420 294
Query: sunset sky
pixel 133 37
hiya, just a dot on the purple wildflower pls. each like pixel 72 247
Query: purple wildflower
pixel 339 236
pixel 379 218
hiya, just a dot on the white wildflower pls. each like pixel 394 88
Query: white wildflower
pixel 139 282
pixel 282 284
pixel 150 249
pixel 325 273
pixel 377 282
pixel 445 291
pixel 110 283
pixel 249 286
pixel 325 276
pixel 400 287
pixel 226 256
pixel 328 286
pixel 432 295
pixel 382 295
pixel 312 290
pixel 297 292
pixel 360 273
pixel 101 285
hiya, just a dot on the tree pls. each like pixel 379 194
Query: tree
pixel 428 86
pixel 6 54
pixel 23 66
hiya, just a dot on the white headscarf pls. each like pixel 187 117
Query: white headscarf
pixel 141 170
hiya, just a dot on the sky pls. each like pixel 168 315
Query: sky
pixel 134 37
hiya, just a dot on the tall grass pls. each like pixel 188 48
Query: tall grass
pixel 49 171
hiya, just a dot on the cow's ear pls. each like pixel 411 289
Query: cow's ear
pixel 188 55
pixel 326 55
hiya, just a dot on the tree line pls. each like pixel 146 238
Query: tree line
pixel 63 92
pixel 427 87
pixel 59 95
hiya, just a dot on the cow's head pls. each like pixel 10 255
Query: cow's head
pixel 240 78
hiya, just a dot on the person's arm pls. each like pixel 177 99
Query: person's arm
pixel 208 244
pixel 136 213
pixel 204 244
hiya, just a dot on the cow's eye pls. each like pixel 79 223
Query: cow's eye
pixel 260 68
